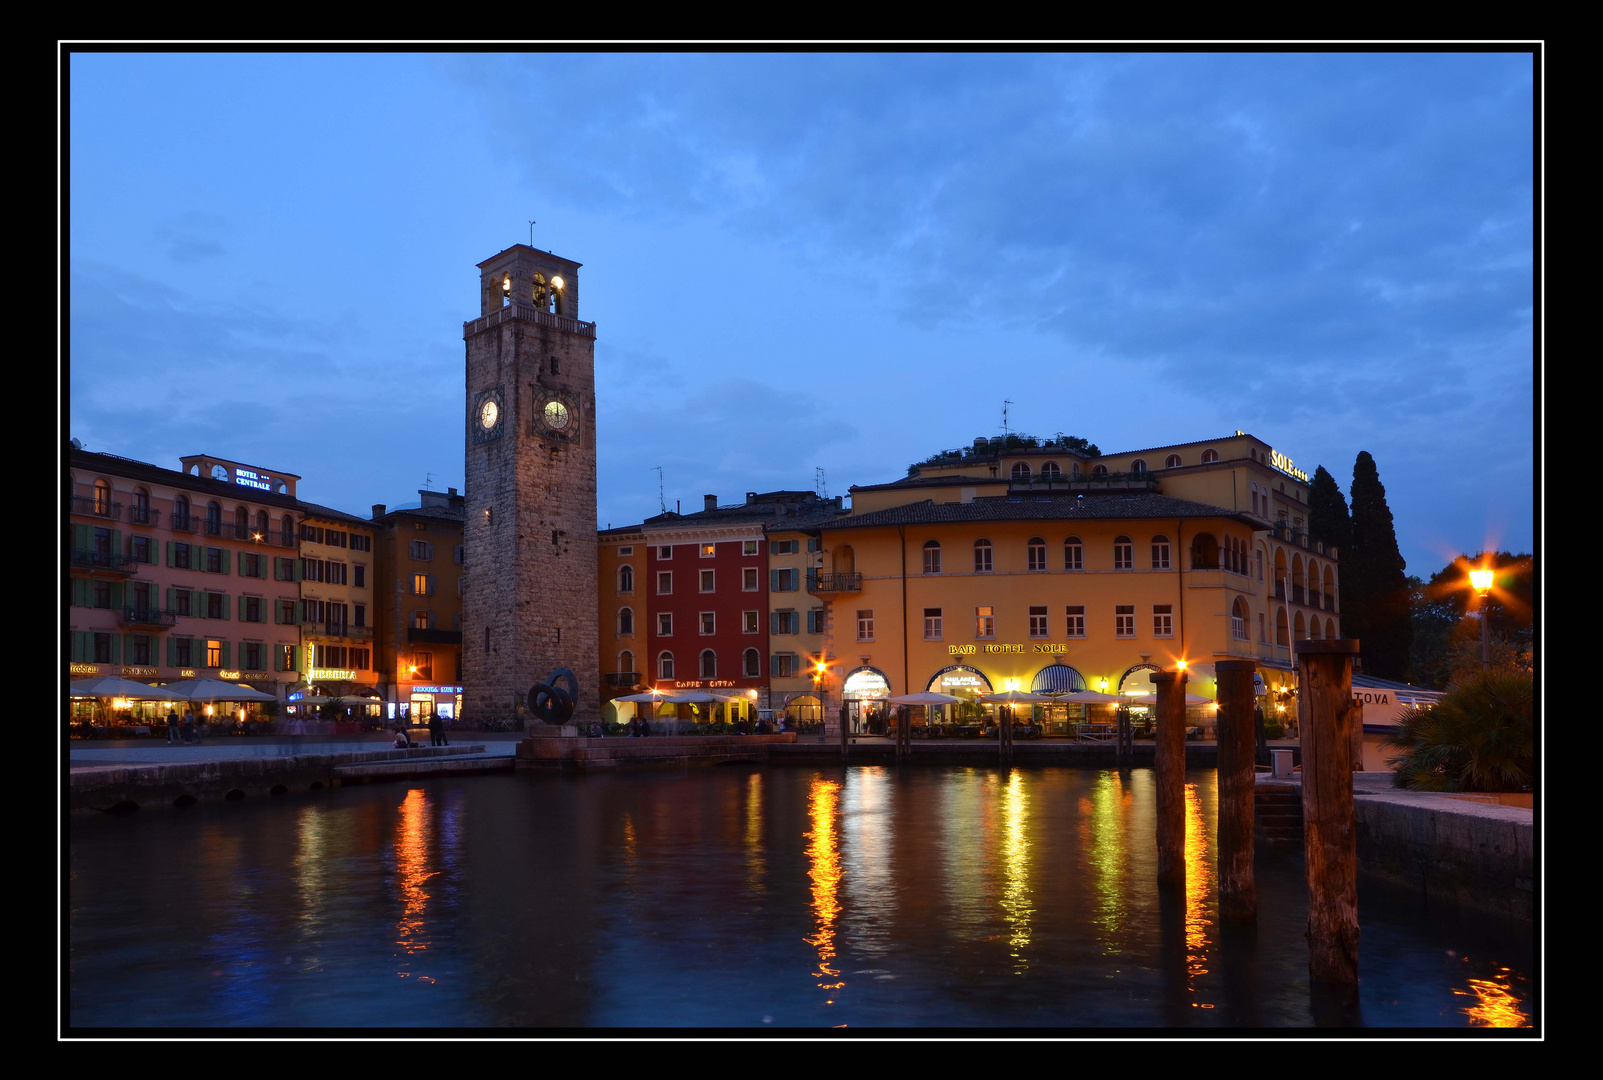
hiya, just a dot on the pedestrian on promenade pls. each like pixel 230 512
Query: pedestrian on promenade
pixel 402 740
pixel 172 725
pixel 436 731
pixel 187 729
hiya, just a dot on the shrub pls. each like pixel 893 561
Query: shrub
pixel 1479 737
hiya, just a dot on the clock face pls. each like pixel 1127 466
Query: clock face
pixel 489 414
pixel 556 415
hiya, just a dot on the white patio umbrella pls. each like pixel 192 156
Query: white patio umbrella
pixel 1016 697
pixel 109 686
pixel 1092 697
pixel 216 690
pixel 926 697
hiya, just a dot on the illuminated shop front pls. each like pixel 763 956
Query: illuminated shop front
pixel 864 691
pixel 961 681
pixel 419 702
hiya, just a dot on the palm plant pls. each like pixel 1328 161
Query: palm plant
pixel 1479 737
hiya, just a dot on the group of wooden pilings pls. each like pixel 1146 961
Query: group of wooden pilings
pixel 1332 735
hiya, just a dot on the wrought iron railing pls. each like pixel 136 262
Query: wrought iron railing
pixel 819 582
pixel 623 678
pixel 88 504
pixel 184 523
pixel 144 515
pixel 130 616
pixel 104 560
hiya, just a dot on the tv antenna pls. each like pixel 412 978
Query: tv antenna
pixel 821 484
pixel 662 503
pixel 531 232
pixel 1005 404
pixel 428 481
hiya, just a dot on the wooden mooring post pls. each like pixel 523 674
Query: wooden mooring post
pixel 1124 747
pixel 845 735
pixel 1235 729
pixel 1170 718
pixel 1004 735
pixel 1327 715
pixel 903 743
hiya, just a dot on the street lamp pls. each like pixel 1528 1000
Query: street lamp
pixel 1482 581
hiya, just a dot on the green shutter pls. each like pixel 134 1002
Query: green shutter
pixel 116 542
pixel 227 606
pixel 169 553
pixel 172 649
pixel 80 592
pixel 116 648
pixel 170 605
pixel 227 659
pixel 773 581
pixel 116 595
pixel 227 563
pixel 81 538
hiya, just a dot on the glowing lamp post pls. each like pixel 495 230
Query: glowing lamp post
pixel 1482 580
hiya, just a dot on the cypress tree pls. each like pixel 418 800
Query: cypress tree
pixel 1373 567
pixel 1328 520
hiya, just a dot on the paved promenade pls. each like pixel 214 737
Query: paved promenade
pixel 87 754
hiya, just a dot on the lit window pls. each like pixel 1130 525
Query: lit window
pixel 748 622
pixel 985 622
pixel 709 550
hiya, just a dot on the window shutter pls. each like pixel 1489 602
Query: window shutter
pixel 169 552
pixel 116 595
pixel 227 603
pixel 116 648
pixel 773 581
pixel 226 659
pixel 226 562
pixel 80 592
pixel 116 542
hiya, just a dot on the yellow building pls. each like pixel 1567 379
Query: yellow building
pixel 1019 565
pixel 336 607
pixel 798 660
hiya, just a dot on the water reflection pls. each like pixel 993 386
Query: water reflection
pixel 411 874
pixel 1105 828
pixel 1016 902
pixel 967 821
pixel 1199 891
pixel 824 870
pixel 756 860
pixel 868 880
pixel 1495 1004
pixel 311 879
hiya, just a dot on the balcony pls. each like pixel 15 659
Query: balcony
pixel 1297 596
pixel 819 583
pixel 213 528
pixel 623 680
pixel 144 515
pixel 100 508
pixel 104 560
pixel 147 617
pixel 184 523
pixel 427 636
pixel 530 314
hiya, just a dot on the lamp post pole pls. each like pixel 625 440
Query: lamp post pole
pixel 1482 580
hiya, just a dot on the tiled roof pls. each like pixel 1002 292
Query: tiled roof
pixel 315 510
pixel 1092 506
pixel 116 465
pixel 929 481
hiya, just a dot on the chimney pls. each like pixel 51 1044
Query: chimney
pixel 709 502
pixel 378 511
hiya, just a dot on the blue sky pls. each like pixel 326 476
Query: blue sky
pixel 794 261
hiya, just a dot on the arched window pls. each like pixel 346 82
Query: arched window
pixel 752 664
pixel 932 556
pixel 286 531
pixel 1300 627
pixel 1209 455
pixel 1050 471
pixel 1258 558
pixel 241 523
pixel 1021 472
pixel 1172 461
pixel 1239 618
pixel 709 663
pixel 1037 553
pixel 1099 473
pixel 626 662
pixel 982 556
pixel 102 498
pixel 181 512
pixel 1255 499
pixel 626 578
pixel 1160 553
pixel 1073 554
pixel 1330 628
pixel 1138 467
pixel 1204 552
pixel 262 527
pixel 214 518
pixel 540 295
pixel 1074 469
pixel 141 510
pixel 1314 630
pixel 665 665
pixel 1123 553
pixel 1330 592
pixel 1282 633
pixel 626 621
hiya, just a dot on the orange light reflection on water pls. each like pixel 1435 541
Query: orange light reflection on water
pixel 1107 854
pixel 1494 1005
pixel 1016 903
pixel 1199 886
pixel 823 855
pixel 411 873
pixel 756 862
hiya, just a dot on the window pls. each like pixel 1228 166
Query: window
pixel 1038 622
pixel 665 551
pixel 1255 499
pixel 626 578
pixel 1073 554
pixel 1163 620
pixel 336 573
pixel 665 624
pixel 181 603
pixel 422 620
pixel 782 547
pixel 982 556
pixel 1138 467
pixel 665 665
pixel 181 558
pixel 216 560
pixel 784 580
pixel 1209 455
pixel 748 622
pixel 1050 471
pixel 422 550
pixel 241 522
pixel 252 609
pixel 750 581
pixel 216 606
pixel 422 584
pixel 865 625
pixel 709 550
pixel 814 544
pixel 214 524
pixel 311 569
pixel 285 661
pixel 751 664
pixel 626 621
pixel 359 615
pixel 102 498
pixel 787 621
pixel 1075 627
pixel 1021 473
pixel 262 527
pixel 184 651
pixel 102 648
pixel 283 569
pixel 214 654
pixel 102 594
pixel 1099 473
pixel 138 650
pixel 932 557
pixel 984 622
pixel 141 549
pixel 286 538
pixel 932 624
pixel 627 549
pixel 709 623
pixel 709 664
pixel 423 666
pixel 782 665
pixel 748 547
pixel 181 512
pixel 1160 553
pixel 1037 553
pixel 361 542
pixel 707 581
pixel 250 656
pixel 359 578
pixel 664 582
pixel 1124 620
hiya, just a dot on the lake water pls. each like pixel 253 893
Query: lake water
pixel 728 897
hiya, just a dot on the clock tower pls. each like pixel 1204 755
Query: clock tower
pixel 529 590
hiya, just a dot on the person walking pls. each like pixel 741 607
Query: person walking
pixel 172 726
pixel 187 729
pixel 436 731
